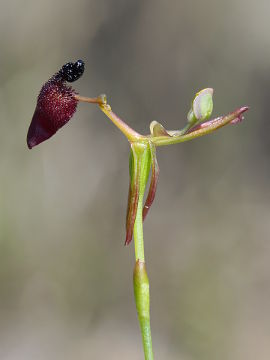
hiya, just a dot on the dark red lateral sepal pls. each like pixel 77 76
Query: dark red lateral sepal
pixel 133 195
pixel 153 184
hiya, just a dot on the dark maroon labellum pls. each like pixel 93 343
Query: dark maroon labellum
pixel 56 104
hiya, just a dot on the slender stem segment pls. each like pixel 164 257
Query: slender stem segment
pixel 141 292
pixel 96 100
pixel 101 100
pixel 130 134
pixel 138 231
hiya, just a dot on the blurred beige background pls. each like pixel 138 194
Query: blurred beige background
pixel 65 276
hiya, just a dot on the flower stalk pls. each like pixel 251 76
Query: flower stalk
pixel 142 299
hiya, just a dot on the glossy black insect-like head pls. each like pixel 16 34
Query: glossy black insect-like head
pixel 71 71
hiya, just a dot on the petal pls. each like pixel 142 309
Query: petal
pixel 133 196
pixel 156 129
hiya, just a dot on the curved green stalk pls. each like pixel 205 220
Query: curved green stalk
pixel 142 299
pixel 140 278
pixel 204 129
pixel 130 134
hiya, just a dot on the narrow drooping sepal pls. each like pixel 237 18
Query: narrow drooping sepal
pixel 154 180
pixel 133 195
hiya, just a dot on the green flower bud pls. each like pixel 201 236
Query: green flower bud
pixel 202 105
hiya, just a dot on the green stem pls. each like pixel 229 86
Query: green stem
pixel 140 278
pixel 130 134
pixel 138 231
pixel 141 292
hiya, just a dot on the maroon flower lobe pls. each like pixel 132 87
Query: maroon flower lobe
pixel 56 104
